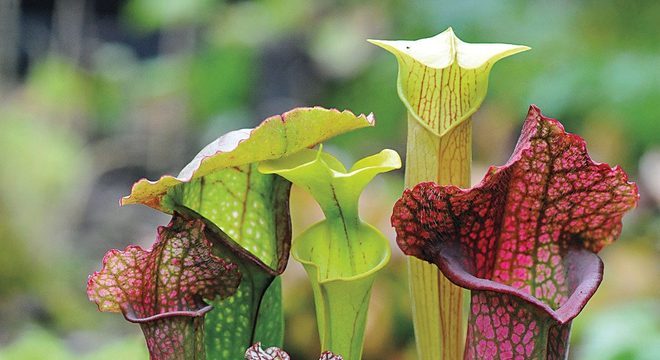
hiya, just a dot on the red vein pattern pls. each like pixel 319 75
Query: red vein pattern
pixel 255 352
pixel 523 240
pixel 163 289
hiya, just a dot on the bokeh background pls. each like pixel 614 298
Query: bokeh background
pixel 96 94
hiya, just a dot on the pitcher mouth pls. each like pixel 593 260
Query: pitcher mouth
pixel 130 315
pixel 583 289
pixel 384 260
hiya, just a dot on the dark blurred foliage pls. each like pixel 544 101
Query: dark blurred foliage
pixel 96 94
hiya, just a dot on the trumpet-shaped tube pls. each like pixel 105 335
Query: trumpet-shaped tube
pixel 341 254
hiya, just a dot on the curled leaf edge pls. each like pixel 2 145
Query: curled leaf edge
pixel 129 199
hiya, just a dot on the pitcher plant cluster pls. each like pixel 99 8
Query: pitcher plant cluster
pixel 523 242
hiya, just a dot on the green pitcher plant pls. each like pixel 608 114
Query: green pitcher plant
pixel 245 216
pixel 341 254
pixel 442 81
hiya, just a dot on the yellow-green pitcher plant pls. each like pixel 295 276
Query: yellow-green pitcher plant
pixel 442 81
pixel 342 254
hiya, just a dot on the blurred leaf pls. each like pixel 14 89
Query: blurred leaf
pixel 108 102
pixel 39 344
pixel 59 86
pixel 113 80
pixel 61 165
pixel 338 45
pixel 624 332
pixel 14 259
pixel 160 77
pixel 36 344
pixel 256 23
pixel 49 168
pixel 382 100
pixel 221 79
pixel 130 348
pixel 153 14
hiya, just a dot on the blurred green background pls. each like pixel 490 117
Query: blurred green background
pixel 97 94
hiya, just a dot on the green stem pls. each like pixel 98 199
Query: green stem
pixel 342 302
pixel 437 303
